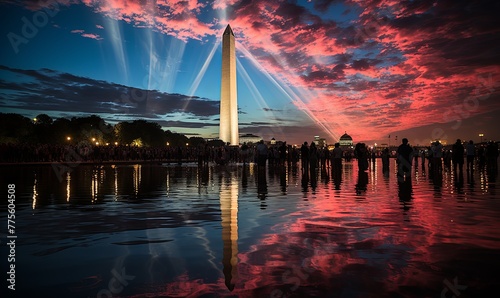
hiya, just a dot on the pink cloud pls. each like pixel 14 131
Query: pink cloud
pixel 92 36
pixel 172 17
pixel 99 26
pixel 87 35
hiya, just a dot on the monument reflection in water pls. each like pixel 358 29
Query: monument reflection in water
pixel 184 231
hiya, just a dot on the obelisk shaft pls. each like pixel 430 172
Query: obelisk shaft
pixel 229 99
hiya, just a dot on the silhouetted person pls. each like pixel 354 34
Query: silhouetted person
pixel 244 153
pixel 283 153
pixel 313 159
pixel 471 153
pixel 491 156
pixel 457 156
pixel 437 155
pixel 385 160
pixel 404 159
pixel 361 155
pixel 304 157
pixel 201 151
pixel 325 157
pixel 337 158
pixel 262 152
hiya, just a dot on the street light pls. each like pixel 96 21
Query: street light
pixel 68 138
pixel 481 135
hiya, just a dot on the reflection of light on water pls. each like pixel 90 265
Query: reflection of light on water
pixel 373 175
pixel 201 233
pixel 97 179
pixel 168 184
pixel 116 181
pixel 229 215
pixel 94 187
pixel 35 194
pixel 483 182
pixel 137 178
pixel 68 186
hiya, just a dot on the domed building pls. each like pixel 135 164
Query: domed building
pixel 345 141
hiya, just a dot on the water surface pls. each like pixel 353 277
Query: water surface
pixel 164 230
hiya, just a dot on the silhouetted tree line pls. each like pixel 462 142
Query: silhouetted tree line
pixel 17 129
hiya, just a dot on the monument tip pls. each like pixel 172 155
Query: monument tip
pixel 228 30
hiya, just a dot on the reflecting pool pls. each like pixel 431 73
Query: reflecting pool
pixel 167 230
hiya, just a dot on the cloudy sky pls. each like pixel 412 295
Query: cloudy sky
pixel 374 68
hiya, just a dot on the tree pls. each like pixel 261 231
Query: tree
pixel 150 133
pixel 176 139
pixel 15 128
pixel 43 119
pixel 196 141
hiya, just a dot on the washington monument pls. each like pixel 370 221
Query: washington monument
pixel 228 127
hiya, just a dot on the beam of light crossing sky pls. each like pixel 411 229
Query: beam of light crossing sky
pixel 256 95
pixel 291 94
pixel 201 73
pixel 117 44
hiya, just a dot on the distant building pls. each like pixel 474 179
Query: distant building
pixel 320 142
pixel 346 141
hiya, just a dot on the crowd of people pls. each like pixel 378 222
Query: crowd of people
pixel 309 155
